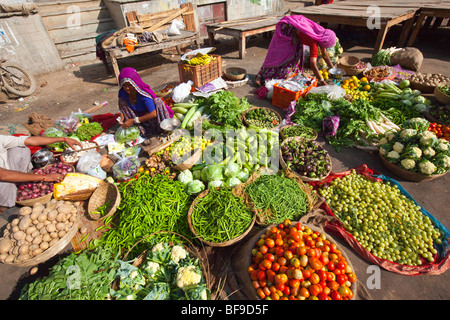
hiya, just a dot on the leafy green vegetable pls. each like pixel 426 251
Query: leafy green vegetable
pixel 88 130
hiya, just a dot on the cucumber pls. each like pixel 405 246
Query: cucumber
pixel 194 117
pixel 185 105
pixel 180 110
pixel 188 115
pixel 180 116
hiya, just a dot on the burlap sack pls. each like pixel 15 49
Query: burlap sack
pixel 38 123
pixel 409 58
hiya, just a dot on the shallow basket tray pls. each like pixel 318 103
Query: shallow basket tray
pixel 104 193
pixel 349 61
pixel 290 125
pixel 408 175
pixel 235 77
pixel 31 202
pixel 284 165
pixel 53 250
pixel 268 109
pixel 441 96
pixel 215 244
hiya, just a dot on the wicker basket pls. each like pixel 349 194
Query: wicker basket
pixel 422 87
pixel 283 137
pixel 431 118
pixel 31 202
pixel 105 192
pixel 189 162
pixel 268 109
pixel 284 165
pixel 215 244
pixel 349 61
pixel 235 73
pixel 350 71
pixel 53 250
pixel 408 175
pixel 441 96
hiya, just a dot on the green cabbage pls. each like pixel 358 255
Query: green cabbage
pixel 215 184
pixel 243 175
pixel 195 187
pixel 231 170
pixel 185 177
pixel 213 172
pixel 232 182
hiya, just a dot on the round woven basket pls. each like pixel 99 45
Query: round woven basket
pixel 422 87
pixel 391 77
pixel 298 125
pixel 31 202
pixel 441 96
pixel 350 71
pixel 215 244
pixel 53 250
pixel 284 165
pixel 235 73
pixel 189 162
pixel 105 193
pixel 349 61
pixel 408 175
pixel 268 109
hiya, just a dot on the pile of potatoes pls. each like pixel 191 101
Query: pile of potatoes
pixel 429 79
pixel 36 229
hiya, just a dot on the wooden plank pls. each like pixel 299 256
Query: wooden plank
pixel 166 20
pixel 188 17
pixel 132 18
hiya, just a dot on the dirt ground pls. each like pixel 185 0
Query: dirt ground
pixel 78 87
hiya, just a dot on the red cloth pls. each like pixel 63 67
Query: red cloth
pixel 439 266
pixel 308 41
pixel 107 120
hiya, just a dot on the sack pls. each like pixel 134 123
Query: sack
pixel 333 92
pixel 409 58
pixel 175 27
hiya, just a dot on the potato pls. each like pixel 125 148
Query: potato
pixel 37 240
pixel 54 235
pixel 9 259
pixel 52 215
pixel 73 218
pixel 61 233
pixel 37 251
pixel 33 270
pixel 3 257
pixel 15 222
pixel 19 235
pixel 15 251
pixel 83 230
pixel 6 232
pixel 42 217
pixel 15 229
pixel 46 237
pixel 60 226
pixel 39 208
pixel 43 231
pixel 34 215
pixel 30 230
pixel 51 227
pixel 61 217
pixel 65 208
pixel 44 245
pixel 24 249
pixel 5 245
pixel 35 234
pixel 24 223
pixel 53 241
pixel 24 211
pixel 39 226
pixel 29 238
pixel 51 205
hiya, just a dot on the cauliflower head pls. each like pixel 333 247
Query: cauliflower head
pixel 390 136
pixel 406 134
pixel 393 155
pixel 188 276
pixel 178 253
pixel 158 247
pixel 429 152
pixel 427 167
pixel 398 147
pixel 408 164
pixel 442 145
pixel 383 141
pixel 152 267
pixel 427 138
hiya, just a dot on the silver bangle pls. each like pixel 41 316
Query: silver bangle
pixel 136 120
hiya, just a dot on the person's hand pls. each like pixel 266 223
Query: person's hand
pixel 54 177
pixel 127 123
pixel 322 83
pixel 73 142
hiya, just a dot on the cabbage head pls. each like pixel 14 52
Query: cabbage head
pixel 185 177
pixel 243 175
pixel 194 187
pixel 213 172
pixel 231 170
pixel 232 182
pixel 215 184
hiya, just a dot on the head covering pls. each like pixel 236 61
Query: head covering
pixel 130 75
pixel 282 49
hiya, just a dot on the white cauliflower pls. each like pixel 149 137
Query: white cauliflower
pixel 427 138
pixel 188 276
pixel 446 160
pixel 394 155
pixel 407 133
pixel 152 267
pixel 416 152
pixel 382 141
pixel 429 152
pixel 427 167
pixel 398 147
pixel 390 136
pixel 408 164
pixel 178 253
pixel 158 247
pixel 442 145
pixel 204 295
pixel 383 151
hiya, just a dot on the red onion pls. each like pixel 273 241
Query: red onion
pixel 22 187
pixel 29 186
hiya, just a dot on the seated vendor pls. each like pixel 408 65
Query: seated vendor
pixel 285 56
pixel 139 105
pixel 15 164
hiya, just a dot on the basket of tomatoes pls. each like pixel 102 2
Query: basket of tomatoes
pixel 440 130
pixel 293 261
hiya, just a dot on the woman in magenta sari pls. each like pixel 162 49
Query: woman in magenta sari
pixel 139 105
pixel 285 54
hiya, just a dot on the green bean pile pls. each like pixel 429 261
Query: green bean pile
pixel 220 216
pixel 298 131
pixel 282 196
pixel 148 205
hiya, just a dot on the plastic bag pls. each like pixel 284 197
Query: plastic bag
pixel 88 160
pixel 182 91
pixel 269 85
pixel 126 168
pixel 67 124
pixel 175 27
pixel 333 92
pixel 126 135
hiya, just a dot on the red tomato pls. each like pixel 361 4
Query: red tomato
pixel 341 265
pixel 301 250
pixel 344 291
pixel 260 293
pixel 288 255
pixel 255 284
pixel 281 278
pixel 270 243
pixel 306 274
pixel 280 286
pixel 266 264
pixel 335 295
pixel 294 283
pixel 322 275
pixel 261 275
pixel 254 275
pixel 304 292
pixel 263 249
pixel 333 285
pixel 315 279
pixel 295 262
pixel 330 266
pixel 341 278
pixel 266 291
pixel 270 257
pixel 322 296
pixel 282 261
pixel 314 290
pixel 275 266
pixel 351 277
pixel 287 290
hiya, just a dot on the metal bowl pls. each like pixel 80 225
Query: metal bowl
pixel 41 158
pixel 336 72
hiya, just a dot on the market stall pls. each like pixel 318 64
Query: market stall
pixel 251 187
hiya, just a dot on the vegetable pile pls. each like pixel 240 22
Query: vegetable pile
pixel 298 131
pixel 87 131
pixel 166 273
pixel 261 118
pixel 220 216
pixel 429 79
pixel 417 149
pixel 306 158
pixel 37 229
pixel 277 198
pixel 292 262
pixel 383 220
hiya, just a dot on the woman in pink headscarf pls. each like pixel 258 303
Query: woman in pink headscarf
pixel 139 105
pixel 285 54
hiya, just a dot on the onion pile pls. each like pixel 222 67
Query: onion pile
pixel 306 158
pixel 33 190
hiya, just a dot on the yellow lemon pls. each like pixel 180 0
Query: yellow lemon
pixel 367 87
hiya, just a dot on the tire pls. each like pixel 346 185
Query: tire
pixel 18 89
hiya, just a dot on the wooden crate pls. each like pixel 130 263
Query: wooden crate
pixel 200 75
pixel 283 97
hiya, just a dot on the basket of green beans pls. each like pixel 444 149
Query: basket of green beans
pixel 297 130
pixel 218 218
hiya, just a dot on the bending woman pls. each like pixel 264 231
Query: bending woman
pixel 285 55
pixel 139 105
